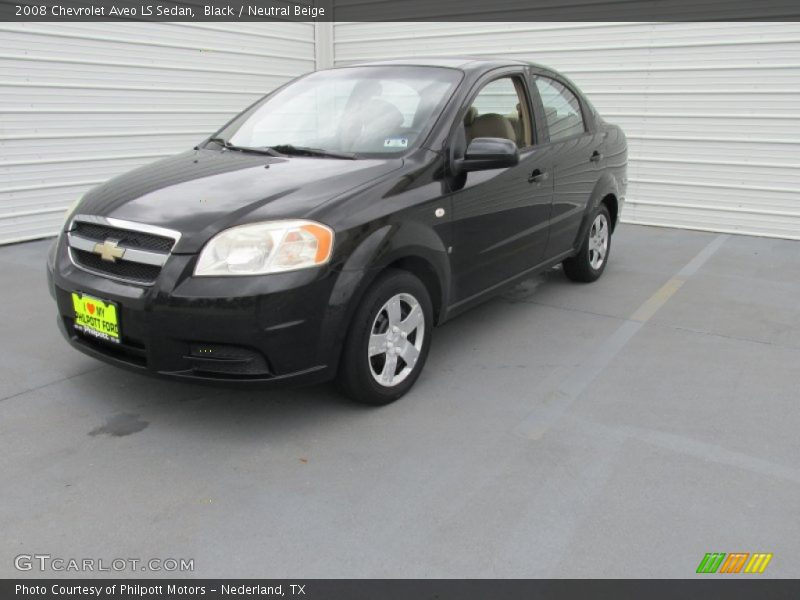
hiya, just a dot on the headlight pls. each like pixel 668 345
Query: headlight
pixel 270 247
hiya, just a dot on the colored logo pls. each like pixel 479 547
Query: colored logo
pixel 735 562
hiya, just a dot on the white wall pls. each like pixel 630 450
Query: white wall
pixel 712 110
pixel 82 102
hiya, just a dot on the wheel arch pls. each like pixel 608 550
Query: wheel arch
pixel 612 204
pixel 423 270
pixel 408 246
pixel 606 192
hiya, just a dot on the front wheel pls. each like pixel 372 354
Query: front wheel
pixel 388 340
pixel 590 261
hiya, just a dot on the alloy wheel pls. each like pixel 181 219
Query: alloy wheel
pixel 395 340
pixel 598 241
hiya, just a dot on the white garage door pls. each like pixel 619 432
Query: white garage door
pixel 82 102
pixel 711 109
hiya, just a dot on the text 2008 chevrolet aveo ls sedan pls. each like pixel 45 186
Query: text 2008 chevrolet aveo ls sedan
pixel 328 228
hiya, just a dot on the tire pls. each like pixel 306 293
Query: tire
pixel 366 374
pixel 591 260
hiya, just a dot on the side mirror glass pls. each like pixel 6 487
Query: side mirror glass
pixel 488 153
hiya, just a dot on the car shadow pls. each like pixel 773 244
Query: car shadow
pixel 135 402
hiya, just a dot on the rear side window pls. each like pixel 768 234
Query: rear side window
pixel 562 110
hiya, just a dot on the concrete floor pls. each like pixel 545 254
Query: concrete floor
pixel 618 429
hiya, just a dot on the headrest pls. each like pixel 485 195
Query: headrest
pixel 380 113
pixel 492 125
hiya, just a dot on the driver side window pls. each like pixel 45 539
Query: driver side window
pixel 500 110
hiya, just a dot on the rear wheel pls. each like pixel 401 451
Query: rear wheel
pixel 388 340
pixel 590 261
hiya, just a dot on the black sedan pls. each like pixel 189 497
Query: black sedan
pixel 326 230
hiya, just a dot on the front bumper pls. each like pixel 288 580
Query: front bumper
pixel 271 329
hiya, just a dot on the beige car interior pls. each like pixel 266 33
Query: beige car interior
pixel 515 126
pixel 368 123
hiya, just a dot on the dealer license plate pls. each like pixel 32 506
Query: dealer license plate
pixel 95 317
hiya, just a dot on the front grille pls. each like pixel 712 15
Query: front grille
pixel 125 269
pixel 133 252
pixel 124 237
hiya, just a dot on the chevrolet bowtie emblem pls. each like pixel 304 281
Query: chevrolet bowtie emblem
pixel 109 251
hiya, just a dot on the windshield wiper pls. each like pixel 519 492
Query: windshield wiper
pixel 306 151
pixel 226 144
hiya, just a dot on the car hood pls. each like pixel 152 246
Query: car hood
pixel 201 192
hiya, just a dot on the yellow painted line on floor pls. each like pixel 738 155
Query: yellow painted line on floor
pixel 650 306
pixel 559 400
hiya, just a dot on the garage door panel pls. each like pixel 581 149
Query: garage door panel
pixel 114 53
pixel 712 220
pixel 632 61
pixel 156 76
pixel 718 172
pixel 594 55
pixel 266 30
pixel 117 42
pixel 282 37
pixel 742 150
pixel 83 102
pixel 61 122
pixel 694 101
pixel 720 196
pixel 357 33
pixel 201 62
pixel 18 228
pixel 43 200
pixel 684 76
pixel 782 127
pixel 71 148
pixel 707 107
pixel 22 175
pixel 123 99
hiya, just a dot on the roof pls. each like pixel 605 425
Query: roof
pixel 452 62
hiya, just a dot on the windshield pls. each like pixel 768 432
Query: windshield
pixel 368 111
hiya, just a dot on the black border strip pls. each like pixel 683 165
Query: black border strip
pixel 401 10
pixel 728 588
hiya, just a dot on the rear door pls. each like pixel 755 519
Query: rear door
pixel 573 152
pixel 499 216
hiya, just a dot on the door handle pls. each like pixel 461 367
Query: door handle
pixel 537 176
pixel 596 156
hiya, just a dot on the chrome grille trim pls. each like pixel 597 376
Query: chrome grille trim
pixel 133 255
pixel 146 257
pixel 129 225
pixel 77 265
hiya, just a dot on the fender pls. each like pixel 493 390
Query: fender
pixel 384 246
pixel 606 184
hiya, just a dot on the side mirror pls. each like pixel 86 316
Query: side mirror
pixel 488 153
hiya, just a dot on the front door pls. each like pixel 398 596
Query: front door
pixel 499 216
